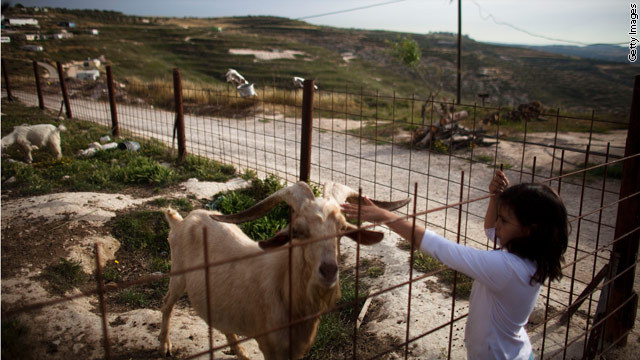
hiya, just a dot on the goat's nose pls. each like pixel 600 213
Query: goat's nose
pixel 329 271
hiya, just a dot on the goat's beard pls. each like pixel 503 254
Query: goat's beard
pixel 325 297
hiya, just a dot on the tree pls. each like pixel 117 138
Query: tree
pixel 408 51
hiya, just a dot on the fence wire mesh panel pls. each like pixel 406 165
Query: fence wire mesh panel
pixel 391 147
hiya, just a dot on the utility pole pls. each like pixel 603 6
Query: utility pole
pixel 459 48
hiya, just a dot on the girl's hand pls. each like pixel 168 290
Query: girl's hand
pixel 368 211
pixel 498 183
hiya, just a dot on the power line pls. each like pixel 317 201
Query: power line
pixel 349 10
pixel 498 22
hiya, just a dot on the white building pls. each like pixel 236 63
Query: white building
pixel 92 63
pixel 33 48
pixel 5 39
pixel 23 22
pixel 32 37
pixel 94 32
pixel 88 75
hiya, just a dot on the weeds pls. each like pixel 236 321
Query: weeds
pixel 142 231
pixel 64 276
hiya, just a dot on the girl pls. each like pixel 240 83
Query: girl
pixel 529 222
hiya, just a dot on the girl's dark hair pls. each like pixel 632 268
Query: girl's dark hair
pixel 540 209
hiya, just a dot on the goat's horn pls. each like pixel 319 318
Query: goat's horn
pixel 293 195
pixel 342 193
pixel 387 205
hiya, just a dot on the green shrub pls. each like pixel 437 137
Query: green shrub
pixel 235 201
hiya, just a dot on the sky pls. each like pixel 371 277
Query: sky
pixel 534 22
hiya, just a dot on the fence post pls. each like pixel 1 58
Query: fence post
pixel 625 251
pixel 179 125
pixel 6 81
pixel 115 128
pixel 38 88
pixel 65 93
pixel 307 130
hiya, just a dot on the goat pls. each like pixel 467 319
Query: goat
pixel 28 138
pixel 250 297
pixel 234 77
pixel 299 82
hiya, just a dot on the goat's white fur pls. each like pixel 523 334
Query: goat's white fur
pixel 234 76
pixel 251 297
pixel 28 138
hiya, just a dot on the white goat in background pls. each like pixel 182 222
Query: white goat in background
pixel 234 77
pixel 28 138
pixel 251 297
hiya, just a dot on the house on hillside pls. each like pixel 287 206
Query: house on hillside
pixel 88 75
pixel 92 63
pixel 67 24
pixel 36 48
pixel 23 22
pixel 63 34
pixel 32 37
pixel 94 32
pixel 5 39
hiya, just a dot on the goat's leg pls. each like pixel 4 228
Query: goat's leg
pixel 232 340
pixel 26 147
pixel 176 289
pixel 54 145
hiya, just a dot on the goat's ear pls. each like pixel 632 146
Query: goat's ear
pixel 279 239
pixel 367 237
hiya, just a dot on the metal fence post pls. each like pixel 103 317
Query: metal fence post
pixel 115 129
pixel 65 93
pixel 38 88
pixel 6 81
pixel 307 130
pixel 179 125
pixel 625 250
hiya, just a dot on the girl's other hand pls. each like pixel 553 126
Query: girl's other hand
pixel 498 183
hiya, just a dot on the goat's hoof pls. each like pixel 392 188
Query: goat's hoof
pixel 165 349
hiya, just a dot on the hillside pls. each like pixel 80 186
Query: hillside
pixel 148 48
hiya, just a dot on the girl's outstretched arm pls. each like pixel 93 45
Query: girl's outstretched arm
pixel 496 186
pixel 370 212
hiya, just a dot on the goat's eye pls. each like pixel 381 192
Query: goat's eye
pixel 300 232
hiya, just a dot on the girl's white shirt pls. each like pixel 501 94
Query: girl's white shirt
pixel 502 296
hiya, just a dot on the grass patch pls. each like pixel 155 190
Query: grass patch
pixel 15 340
pixel 335 331
pixel 425 263
pixel 142 231
pixel 145 250
pixel 614 171
pixel 64 276
pixel 109 170
pixel 132 297
pixel 182 204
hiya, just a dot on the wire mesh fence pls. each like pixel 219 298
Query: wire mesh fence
pixel 376 143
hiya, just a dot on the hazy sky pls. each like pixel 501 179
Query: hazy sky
pixel 505 21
